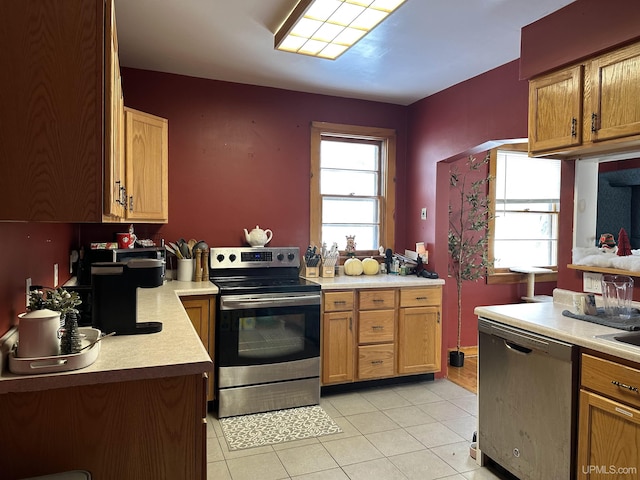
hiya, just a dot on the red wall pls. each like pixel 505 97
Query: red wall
pixel 581 29
pixel 239 155
pixel 29 251
pixel 442 127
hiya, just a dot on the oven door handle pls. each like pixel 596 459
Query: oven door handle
pixel 266 302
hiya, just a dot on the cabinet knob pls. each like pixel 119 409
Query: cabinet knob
pixel 574 125
pixel 594 121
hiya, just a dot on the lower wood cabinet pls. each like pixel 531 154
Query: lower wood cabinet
pixel 419 340
pixel 202 310
pixel 380 333
pixel 609 420
pixel 145 429
pixel 337 349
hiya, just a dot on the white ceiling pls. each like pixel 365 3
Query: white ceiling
pixel 423 48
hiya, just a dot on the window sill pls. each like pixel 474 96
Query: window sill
pixel 507 277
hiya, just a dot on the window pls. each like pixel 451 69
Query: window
pixel 352 186
pixel 526 203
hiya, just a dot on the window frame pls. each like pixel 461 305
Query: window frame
pixel 387 139
pixel 504 275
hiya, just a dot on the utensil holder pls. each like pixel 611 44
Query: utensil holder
pixel 186 269
pixel 328 271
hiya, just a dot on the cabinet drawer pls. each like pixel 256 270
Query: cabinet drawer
pixel 376 299
pixel 376 326
pixel 611 379
pixel 376 361
pixel 418 297
pixel 338 301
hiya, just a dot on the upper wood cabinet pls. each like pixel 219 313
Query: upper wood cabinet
pixel 590 107
pixel 55 92
pixel 555 110
pixel 114 172
pixel 146 162
pixel 615 94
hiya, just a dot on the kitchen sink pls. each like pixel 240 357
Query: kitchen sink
pixel 631 338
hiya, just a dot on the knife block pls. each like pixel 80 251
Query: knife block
pixel 309 272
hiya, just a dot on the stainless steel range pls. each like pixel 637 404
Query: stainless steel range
pixel 267 330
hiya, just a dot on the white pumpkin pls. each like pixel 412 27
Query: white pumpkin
pixel 353 266
pixel 370 266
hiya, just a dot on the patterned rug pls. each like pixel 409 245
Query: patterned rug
pixel 248 431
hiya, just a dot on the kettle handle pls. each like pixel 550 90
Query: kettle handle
pixel 269 234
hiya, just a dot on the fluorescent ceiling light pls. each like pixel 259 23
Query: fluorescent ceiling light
pixel 327 28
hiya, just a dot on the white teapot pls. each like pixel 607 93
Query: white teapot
pixel 258 237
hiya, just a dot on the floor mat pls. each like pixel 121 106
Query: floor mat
pixel 248 431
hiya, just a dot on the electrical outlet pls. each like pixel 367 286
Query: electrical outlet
pixel 55 275
pixel 591 282
pixel 28 283
pixel 423 214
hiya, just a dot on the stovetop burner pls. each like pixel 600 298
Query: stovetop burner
pixel 264 284
pixel 258 270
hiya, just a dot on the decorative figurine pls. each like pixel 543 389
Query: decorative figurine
pixel 350 249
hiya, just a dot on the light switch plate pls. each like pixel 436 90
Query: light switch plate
pixel 591 282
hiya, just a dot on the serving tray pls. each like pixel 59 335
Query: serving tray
pixel 59 363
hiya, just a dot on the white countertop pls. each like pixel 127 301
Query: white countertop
pixel 547 319
pixel 374 281
pixel 175 351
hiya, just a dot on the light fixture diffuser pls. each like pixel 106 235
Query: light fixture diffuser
pixel 327 28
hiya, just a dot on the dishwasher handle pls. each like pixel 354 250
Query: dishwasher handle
pixel 519 349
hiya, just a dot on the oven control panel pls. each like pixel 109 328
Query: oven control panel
pixel 254 257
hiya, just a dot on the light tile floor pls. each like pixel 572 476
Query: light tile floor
pixel 419 430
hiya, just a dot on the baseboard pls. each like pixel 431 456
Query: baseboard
pixel 468 351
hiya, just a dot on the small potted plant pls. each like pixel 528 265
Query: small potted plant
pixel 64 302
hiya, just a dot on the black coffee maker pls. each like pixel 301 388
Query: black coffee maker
pixel 114 286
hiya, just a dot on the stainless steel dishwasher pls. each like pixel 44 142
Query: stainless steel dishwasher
pixel 526 402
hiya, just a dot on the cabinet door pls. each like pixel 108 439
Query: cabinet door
pixel 146 161
pixel 201 311
pixel 419 339
pixel 114 188
pixel 51 110
pixel 337 347
pixel 615 94
pixel 608 439
pixel 555 110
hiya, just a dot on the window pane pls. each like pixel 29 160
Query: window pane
pixel 524 187
pixel 366 236
pixel 358 156
pixel 349 210
pixel 511 253
pixel 524 226
pixel 521 177
pixel 346 182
